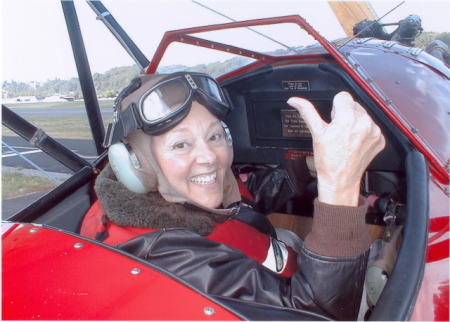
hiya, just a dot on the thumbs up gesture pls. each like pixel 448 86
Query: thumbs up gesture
pixel 343 148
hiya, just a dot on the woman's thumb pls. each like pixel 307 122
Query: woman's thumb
pixel 308 113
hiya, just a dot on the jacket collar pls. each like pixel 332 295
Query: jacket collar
pixel 126 208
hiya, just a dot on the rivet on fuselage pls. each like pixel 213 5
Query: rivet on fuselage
pixel 33 230
pixel 135 271
pixel 209 311
pixel 78 245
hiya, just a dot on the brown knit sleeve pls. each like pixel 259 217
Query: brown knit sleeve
pixel 338 231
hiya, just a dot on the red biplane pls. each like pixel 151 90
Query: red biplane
pixel 50 272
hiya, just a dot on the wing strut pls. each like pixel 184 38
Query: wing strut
pixel 110 22
pixel 84 75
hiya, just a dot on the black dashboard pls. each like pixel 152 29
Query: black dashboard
pixel 266 130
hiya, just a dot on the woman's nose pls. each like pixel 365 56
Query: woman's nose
pixel 204 154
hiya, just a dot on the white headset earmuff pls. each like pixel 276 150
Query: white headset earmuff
pixel 123 162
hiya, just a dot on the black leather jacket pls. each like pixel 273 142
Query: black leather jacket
pixel 271 188
pixel 328 285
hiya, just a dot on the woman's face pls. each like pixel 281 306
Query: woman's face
pixel 194 156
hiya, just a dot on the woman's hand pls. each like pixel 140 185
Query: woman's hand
pixel 343 148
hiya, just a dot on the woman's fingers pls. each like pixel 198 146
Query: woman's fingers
pixel 309 114
pixel 343 148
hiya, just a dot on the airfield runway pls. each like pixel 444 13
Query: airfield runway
pixel 12 144
pixel 84 148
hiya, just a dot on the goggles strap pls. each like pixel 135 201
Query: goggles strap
pixel 126 122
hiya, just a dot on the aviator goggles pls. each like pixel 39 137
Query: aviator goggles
pixel 156 103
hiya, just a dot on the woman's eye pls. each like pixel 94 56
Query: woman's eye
pixel 215 137
pixel 180 145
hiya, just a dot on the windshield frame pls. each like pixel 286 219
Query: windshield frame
pixel 184 36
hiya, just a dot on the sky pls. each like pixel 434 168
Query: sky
pixel 35 44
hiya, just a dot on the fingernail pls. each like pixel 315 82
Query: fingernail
pixel 293 101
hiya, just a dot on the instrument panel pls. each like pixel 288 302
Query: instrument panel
pixel 266 130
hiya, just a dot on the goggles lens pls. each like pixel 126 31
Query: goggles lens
pixel 210 87
pixel 167 98
pixel 164 100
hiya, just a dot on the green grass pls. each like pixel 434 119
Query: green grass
pixel 38 105
pixel 60 127
pixel 15 184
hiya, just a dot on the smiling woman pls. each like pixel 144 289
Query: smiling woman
pixel 292 114
pixel 170 185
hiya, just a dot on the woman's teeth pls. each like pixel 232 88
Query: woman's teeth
pixel 204 179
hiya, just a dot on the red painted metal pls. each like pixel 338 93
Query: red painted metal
pixel 432 303
pixel 416 92
pixel 50 275
pixel 174 35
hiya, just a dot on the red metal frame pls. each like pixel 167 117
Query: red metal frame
pixel 436 169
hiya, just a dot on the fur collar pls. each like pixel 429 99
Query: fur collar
pixel 126 208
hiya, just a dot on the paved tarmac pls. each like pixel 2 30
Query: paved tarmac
pixel 12 206
pixel 83 148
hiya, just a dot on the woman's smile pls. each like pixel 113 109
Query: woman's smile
pixel 204 179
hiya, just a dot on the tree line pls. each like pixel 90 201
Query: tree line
pixel 106 85
pixel 110 83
